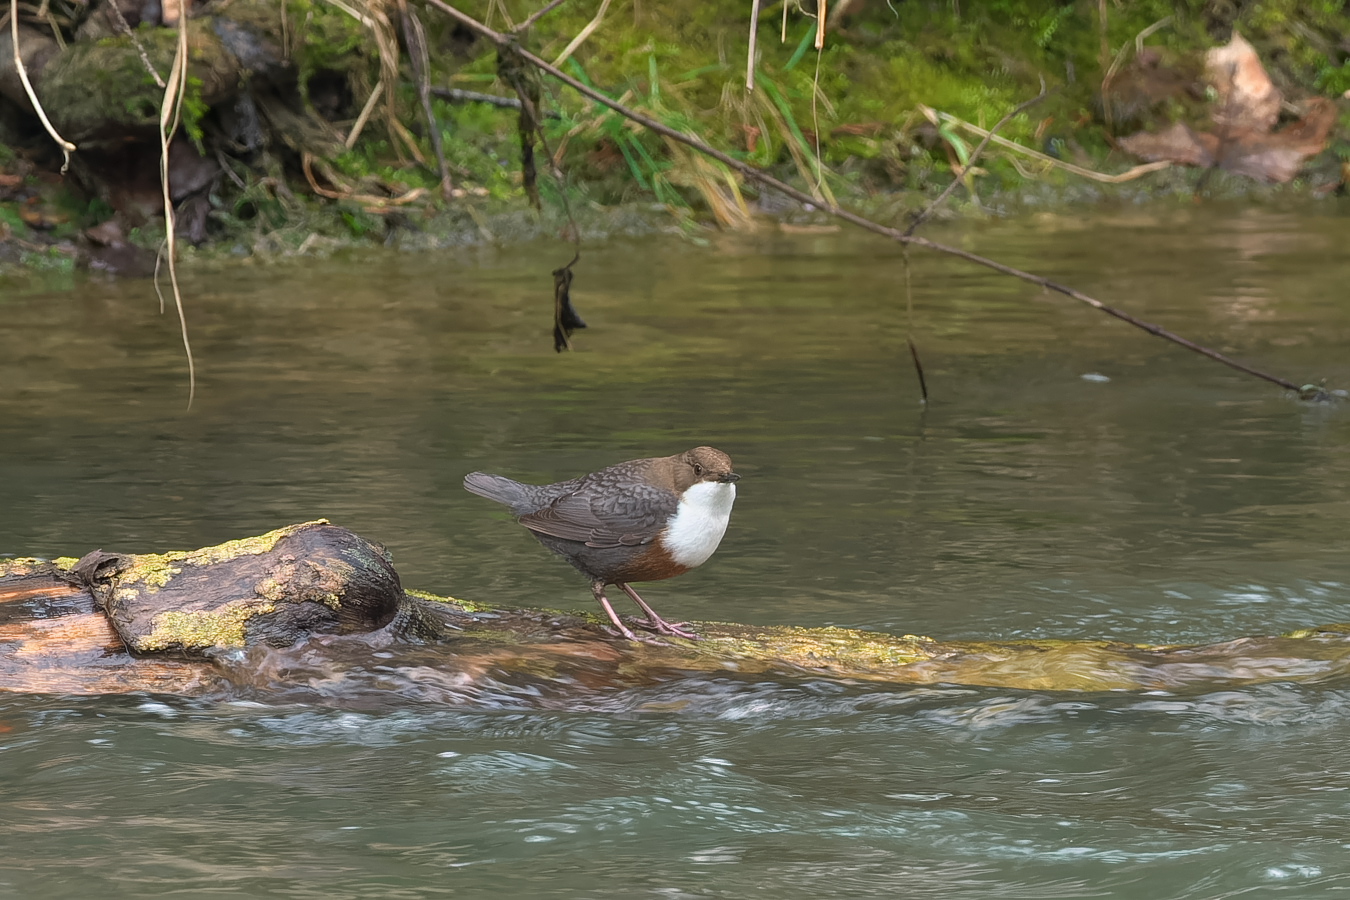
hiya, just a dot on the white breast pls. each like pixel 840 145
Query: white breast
pixel 699 522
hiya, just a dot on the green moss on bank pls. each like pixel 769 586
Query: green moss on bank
pixel 848 119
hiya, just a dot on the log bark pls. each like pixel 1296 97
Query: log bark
pixel 54 640
pixel 217 619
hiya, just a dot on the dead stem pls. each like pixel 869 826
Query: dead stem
pixel 815 113
pixel 140 48
pixel 752 46
pixel 364 117
pixel 523 26
pixel 583 34
pixel 415 37
pixel 1128 175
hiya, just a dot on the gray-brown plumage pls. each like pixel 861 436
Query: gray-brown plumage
pixel 641 520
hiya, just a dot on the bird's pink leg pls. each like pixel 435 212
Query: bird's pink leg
pixel 660 624
pixel 598 589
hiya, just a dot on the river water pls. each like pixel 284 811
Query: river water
pixel 1072 478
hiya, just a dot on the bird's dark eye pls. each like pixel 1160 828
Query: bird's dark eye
pixel 698 470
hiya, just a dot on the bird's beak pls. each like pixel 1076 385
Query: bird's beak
pixel 729 478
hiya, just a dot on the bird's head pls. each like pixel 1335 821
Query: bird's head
pixel 704 465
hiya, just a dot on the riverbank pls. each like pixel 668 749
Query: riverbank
pixel 879 121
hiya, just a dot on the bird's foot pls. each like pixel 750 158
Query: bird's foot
pixel 619 629
pixel 661 626
pixel 653 620
pixel 629 634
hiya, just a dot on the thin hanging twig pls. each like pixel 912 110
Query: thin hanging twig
pixel 66 146
pixel 918 368
pixel 853 218
pixel 169 114
pixel 909 328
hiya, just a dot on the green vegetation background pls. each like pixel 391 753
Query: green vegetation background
pixel 856 102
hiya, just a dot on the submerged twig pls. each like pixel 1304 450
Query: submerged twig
pixel 932 207
pixel 975 155
pixel 918 368
pixel 853 218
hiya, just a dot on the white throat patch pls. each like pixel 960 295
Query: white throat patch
pixel 699 522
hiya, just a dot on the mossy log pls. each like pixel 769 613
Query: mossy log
pixel 193 622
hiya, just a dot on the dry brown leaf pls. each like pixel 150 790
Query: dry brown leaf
pixel 1179 143
pixel 1245 111
pixel 1278 157
pixel 1247 100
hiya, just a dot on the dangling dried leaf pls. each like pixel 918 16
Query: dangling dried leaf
pixel 565 318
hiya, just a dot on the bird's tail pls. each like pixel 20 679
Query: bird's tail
pixel 496 487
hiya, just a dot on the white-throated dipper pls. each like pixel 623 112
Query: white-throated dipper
pixel 641 520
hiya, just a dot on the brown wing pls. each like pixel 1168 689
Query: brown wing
pixel 606 515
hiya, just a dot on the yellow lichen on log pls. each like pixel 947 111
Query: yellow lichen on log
pixel 220 628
